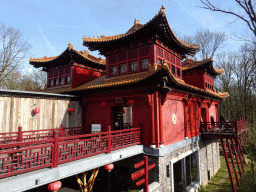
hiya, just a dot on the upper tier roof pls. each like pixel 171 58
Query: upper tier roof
pixel 206 64
pixel 151 77
pixel 67 56
pixel 157 26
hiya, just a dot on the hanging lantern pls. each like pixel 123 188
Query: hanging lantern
pixel 109 167
pixel 124 111
pixel 71 110
pixel 54 186
pixel 37 110
pixel 131 102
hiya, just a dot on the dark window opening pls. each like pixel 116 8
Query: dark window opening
pixel 144 63
pixel 113 70
pixel 178 72
pixel 134 66
pixel 173 70
pixel 123 68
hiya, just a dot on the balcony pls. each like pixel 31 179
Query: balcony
pixel 234 128
pixel 26 151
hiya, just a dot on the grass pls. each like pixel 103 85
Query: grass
pixel 221 181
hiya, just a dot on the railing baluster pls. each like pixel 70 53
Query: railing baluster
pixel 109 139
pixel 55 150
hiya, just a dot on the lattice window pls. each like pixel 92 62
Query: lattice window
pixel 159 52
pixel 56 72
pixel 62 81
pixel 177 62
pixel 50 74
pixel 56 81
pixel 122 56
pixel 67 70
pixel 144 63
pixel 167 56
pixel 133 54
pixel 68 79
pixel 178 72
pixel 123 68
pixel 173 70
pixel 144 51
pixel 112 59
pixel 62 71
pixel 134 66
pixel 172 59
pixel 113 70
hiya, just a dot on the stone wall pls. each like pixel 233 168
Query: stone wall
pixel 209 158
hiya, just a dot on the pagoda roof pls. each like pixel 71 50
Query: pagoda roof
pixel 157 26
pixel 150 77
pixel 68 55
pixel 206 64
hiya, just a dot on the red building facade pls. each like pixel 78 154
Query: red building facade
pixel 147 81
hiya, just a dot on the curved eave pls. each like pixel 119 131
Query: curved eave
pixel 152 79
pixel 205 64
pixel 65 56
pixel 158 25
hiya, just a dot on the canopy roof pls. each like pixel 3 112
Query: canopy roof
pixel 157 27
pixel 70 55
pixel 152 77
pixel 206 65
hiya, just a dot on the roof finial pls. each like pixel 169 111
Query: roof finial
pixel 70 46
pixel 136 21
pixel 162 10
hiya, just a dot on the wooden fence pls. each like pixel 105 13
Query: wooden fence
pixel 17 109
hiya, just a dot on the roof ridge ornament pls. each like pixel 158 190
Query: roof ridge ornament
pixel 136 21
pixel 162 10
pixel 70 46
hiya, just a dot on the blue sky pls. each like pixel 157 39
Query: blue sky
pixel 50 25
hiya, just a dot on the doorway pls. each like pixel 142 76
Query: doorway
pixel 122 117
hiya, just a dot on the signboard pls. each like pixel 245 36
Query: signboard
pixel 96 128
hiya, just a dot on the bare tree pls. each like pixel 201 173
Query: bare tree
pixel 248 7
pixel 13 51
pixel 209 42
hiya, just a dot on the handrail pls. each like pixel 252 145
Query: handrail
pixel 235 127
pixel 21 157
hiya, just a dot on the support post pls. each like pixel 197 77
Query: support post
pixel 146 173
pixel 19 139
pixel 62 130
pixel 55 150
pixel 109 139
pixel 239 154
pixel 233 162
pixel 237 162
pixel 240 147
pixel 228 166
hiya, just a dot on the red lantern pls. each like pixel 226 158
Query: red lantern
pixel 37 110
pixel 71 110
pixel 131 102
pixel 124 111
pixel 109 167
pixel 54 186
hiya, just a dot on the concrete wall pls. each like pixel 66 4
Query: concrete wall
pixel 16 109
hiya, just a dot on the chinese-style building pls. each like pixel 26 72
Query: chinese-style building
pixel 149 82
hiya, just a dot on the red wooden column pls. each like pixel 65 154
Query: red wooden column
pixel 233 162
pixel 152 112
pixel 228 166
pixel 156 119
pixel 145 158
pixel 160 120
pixel 241 150
pixel 237 161
pixel 185 106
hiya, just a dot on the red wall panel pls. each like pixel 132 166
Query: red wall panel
pixel 81 75
pixel 173 133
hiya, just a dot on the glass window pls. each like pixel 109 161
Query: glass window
pixel 144 63
pixel 51 83
pixel 134 66
pixel 159 61
pixel 56 81
pixel 113 70
pixel 62 81
pixel 68 80
pixel 123 68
